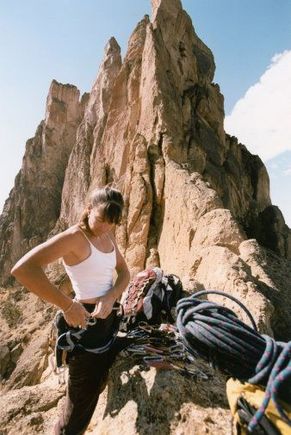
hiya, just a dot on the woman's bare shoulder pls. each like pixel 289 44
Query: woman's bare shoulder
pixel 66 241
pixel 55 247
pixel 73 235
pixel 73 230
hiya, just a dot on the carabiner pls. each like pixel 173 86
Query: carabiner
pixel 91 321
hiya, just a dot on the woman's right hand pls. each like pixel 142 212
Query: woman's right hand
pixel 76 315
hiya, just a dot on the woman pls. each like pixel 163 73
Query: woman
pixel 90 255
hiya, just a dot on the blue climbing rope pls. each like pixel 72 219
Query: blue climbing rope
pixel 215 333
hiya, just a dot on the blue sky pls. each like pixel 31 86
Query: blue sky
pixel 41 40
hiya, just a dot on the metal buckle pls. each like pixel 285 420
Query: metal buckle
pixel 91 321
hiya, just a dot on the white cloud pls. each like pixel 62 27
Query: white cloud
pixel 262 118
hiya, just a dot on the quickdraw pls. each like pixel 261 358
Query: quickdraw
pixel 160 346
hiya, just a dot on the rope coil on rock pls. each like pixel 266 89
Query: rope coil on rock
pixel 215 333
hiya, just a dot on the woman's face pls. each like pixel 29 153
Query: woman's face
pixel 96 221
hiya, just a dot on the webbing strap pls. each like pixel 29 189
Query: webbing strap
pixel 69 345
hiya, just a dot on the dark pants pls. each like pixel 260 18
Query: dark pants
pixel 87 378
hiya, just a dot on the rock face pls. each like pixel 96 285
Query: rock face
pixel 33 206
pixel 196 204
pixel 88 136
pixel 154 125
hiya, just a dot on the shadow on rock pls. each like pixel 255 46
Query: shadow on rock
pixel 157 396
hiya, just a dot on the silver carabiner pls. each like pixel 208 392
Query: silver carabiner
pixel 91 321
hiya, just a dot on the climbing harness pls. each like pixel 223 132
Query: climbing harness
pixel 70 340
pixel 82 339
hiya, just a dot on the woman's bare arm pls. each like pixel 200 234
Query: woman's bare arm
pixel 29 272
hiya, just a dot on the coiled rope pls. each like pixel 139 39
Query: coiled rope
pixel 215 333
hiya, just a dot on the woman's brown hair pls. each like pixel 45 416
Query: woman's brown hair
pixel 111 204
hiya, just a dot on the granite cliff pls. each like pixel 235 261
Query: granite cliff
pixel 32 208
pixel 197 204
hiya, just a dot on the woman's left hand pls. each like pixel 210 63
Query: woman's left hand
pixel 103 307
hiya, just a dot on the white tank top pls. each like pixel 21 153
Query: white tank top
pixel 93 277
